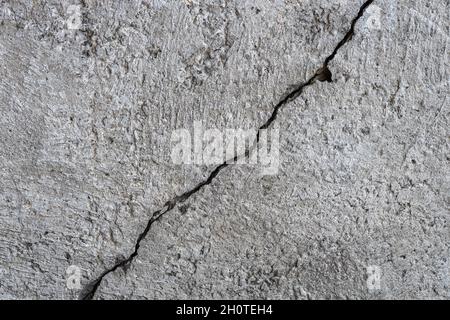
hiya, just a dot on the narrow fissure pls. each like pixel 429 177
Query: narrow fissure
pixel 323 74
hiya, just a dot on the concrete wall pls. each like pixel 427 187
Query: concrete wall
pixel 93 206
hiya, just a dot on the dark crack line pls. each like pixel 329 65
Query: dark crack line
pixel 323 74
pixel 349 34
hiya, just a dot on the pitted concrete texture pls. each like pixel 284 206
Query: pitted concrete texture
pixel 89 103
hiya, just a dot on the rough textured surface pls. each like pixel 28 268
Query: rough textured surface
pixel 87 116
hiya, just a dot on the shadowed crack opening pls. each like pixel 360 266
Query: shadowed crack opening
pixel 322 74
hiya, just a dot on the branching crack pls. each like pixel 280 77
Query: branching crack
pixel 323 74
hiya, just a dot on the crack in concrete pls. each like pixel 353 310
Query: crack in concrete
pixel 323 74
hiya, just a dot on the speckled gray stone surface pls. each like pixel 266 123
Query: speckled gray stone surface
pixel 86 120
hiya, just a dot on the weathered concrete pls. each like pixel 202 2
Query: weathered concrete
pixel 87 116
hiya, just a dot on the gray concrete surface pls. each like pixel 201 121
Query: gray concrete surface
pixel 87 113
